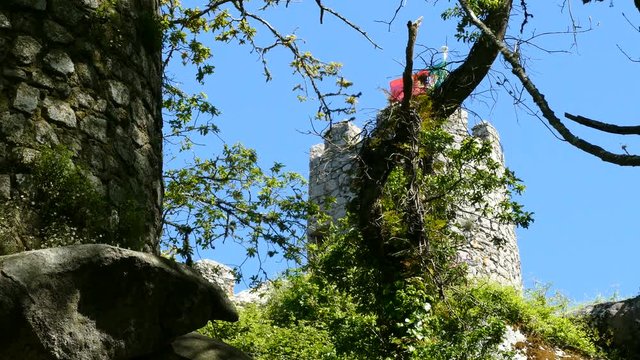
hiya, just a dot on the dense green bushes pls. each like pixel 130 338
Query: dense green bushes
pixel 327 313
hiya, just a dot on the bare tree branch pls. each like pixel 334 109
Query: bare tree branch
pixel 605 127
pixel 637 3
pixel 395 15
pixel 346 21
pixel 462 81
pixel 407 75
pixel 541 102
pixel 627 55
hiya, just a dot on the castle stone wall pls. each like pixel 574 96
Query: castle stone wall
pixel 85 74
pixel 491 249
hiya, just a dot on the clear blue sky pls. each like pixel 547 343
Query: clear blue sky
pixel 585 240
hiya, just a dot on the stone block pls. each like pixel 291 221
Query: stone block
pixel 12 126
pixel 95 127
pixel 60 62
pixel 25 156
pixel 118 92
pixel 27 98
pixel 5 186
pixel 4 22
pixel 42 79
pixel 57 33
pixel 85 74
pixel 45 134
pixel 26 49
pixel 60 112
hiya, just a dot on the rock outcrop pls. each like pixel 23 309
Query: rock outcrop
pixel 194 346
pixel 217 273
pixel 101 302
pixel 618 323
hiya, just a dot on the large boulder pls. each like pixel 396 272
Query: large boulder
pixel 100 302
pixel 194 346
pixel 618 322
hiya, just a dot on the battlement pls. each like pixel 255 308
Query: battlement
pixel 491 249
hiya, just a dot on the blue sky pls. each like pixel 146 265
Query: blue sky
pixel 585 240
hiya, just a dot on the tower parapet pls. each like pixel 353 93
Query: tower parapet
pixel 490 249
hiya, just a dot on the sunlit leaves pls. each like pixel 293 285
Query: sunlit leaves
pixel 464 31
pixel 191 34
pixel 230 197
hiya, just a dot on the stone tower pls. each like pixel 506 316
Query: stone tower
pixel 491 249
pixel 85 76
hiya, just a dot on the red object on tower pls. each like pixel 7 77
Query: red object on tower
pixel 420 81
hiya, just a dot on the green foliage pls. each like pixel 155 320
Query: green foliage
pixel 470 322
pixel 262 339
pixel 187 29
pixel 452 176
pixel 231 198
pixel 330 323
pixel 464 27
pixel 111 29
pixel 346 306
pixel 309 299
pixel 547 317
pixel 348 301
pixel 69 210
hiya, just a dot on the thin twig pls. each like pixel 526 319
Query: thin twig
pixel 541 102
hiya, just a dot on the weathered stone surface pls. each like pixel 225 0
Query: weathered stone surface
pixel 56 32
pixel 60 112
pixel 619 324
pixel 26 49
pixel 92 4
pixel 99 302
pixel 14 73
pixel 5 186
pixel 194 346
pixel 53 53
pixel 118 92
pixel 85 74
pixel 45 133
pixel 25 155
pixel 259 295
pixel 83 99
pixel 216 273
pixel 42 79
pixel 34 4
pixel 12 125
pixel 59 62
pixel 4 22
pixel 100 105
pixel 66 12
pixel 27 98
pixel 140 137
pixel 95 127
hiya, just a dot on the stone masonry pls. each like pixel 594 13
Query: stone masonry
pixel 491 249
pixel 85 74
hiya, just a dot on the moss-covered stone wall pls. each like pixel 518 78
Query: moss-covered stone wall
pixel 83 76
